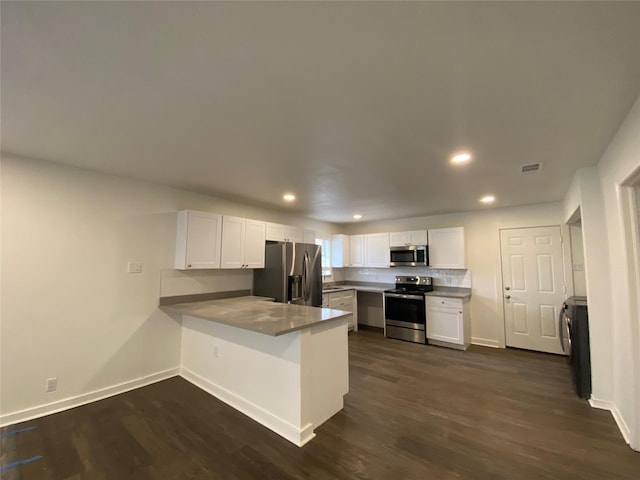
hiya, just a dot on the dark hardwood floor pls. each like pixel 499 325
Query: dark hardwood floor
pixel 413 412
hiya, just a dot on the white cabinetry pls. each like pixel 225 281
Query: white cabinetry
pixel 376 250
pixel 446 248
pixel 284 233
pixel 413 237
pixel 356 250
pixel 347 301
pixel 309 236
pixel 448 322
pixel 340 249
pixel 242 243
pixel 198 240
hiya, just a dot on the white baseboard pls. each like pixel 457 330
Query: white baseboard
pixel 615 413
pixel 601 404
pixel 622 425
pixel 485 342
pixel 297 436
pixel 72 402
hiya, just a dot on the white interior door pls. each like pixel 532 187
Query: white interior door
pixel 533 287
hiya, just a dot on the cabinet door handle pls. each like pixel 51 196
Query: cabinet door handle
pixel 189 265
pixel 507 297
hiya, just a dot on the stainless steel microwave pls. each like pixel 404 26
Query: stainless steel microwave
pixel 409 256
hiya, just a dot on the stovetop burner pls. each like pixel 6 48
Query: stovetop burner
pixel 412 285
pixel 407 291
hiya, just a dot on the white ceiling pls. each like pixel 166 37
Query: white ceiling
pixel 353 106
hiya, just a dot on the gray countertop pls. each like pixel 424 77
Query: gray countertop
pixel 450 292
pixel 362 288
pixel 258 314
pixel 439 291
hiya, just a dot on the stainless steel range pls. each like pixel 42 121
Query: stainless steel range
pixel 404 309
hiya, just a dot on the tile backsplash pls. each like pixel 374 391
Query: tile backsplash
pixel 189 282
pixel 442 277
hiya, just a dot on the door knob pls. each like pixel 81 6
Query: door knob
pixel 507 297
pixel 507 288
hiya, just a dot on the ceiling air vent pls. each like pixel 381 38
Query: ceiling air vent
pixel 531 167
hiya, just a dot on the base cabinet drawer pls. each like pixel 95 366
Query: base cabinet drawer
pixel 447 302
pixel 346 301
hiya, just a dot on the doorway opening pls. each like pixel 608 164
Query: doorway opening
pixel 630 207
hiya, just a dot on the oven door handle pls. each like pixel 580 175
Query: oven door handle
pixel 400 295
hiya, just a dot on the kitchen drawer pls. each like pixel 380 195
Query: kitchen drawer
pixel 347 305
pixel 348 294
pixel 335 304
pixel 446 302
pixel 335 296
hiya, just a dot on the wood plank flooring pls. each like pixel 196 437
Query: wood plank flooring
pixel 413 412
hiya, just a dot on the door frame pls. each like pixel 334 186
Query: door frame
pixel 567 286
pixel 629 202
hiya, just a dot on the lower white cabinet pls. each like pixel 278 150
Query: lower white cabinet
pixel 345 300
pixel 448 322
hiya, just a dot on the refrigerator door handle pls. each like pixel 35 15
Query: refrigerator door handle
pixel 561 326
pixel 306 281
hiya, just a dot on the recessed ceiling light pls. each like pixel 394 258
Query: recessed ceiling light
pixel 462 157
pixel 289 197
pixel 357 216
pixel 488 199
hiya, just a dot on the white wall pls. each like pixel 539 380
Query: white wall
pixel 585 193
pixel 577 260
pixel 482 243
pixel 69 309
pixel 619 164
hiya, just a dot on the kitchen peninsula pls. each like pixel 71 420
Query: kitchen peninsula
pixel 285 366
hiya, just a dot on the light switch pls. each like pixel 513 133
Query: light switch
pixel 134 267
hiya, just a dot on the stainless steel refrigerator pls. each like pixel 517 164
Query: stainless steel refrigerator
pixel 292 273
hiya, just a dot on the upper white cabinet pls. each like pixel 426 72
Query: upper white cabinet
pixel 376 250
pixel 309 236
pixel 284 233
pixel 242 243
pixel 275 232
pixel 356 250
pixel 254 244
pixel 446 248
pixel 198 240
pixel 340 250
pixel 413 237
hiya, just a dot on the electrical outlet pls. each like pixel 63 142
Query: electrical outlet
pixel 52 384
pixel 134 267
